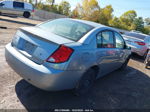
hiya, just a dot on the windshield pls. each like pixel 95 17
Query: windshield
pixel 70 29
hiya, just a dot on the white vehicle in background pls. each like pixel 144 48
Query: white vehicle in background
pixel 16 8
pixel 139 43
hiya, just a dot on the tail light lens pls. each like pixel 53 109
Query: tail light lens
pixel 140 43
pixel 62 54
pixel 33 10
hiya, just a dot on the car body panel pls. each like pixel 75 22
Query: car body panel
pixel 135 48
pixel 59 76
pixel 41 76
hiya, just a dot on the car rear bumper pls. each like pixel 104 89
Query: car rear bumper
pixel 139 50
pixel 39 75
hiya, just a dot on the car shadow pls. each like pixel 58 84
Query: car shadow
pixel 127 89
pixel 18 22
pixel 137 58
pixel 8 15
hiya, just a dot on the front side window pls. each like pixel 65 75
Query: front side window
pixel 119 40
pixel 18 4
pixel 69 29
pixel 105 40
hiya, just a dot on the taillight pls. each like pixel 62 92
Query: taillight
pixel 140 43
pixel 62 54
pixel 33 10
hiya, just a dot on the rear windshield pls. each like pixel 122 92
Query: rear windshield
pixel 136 35
pixel 69 29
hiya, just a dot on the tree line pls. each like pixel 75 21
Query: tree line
pixel 90 10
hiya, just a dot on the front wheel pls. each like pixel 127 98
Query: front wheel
pixel 86 82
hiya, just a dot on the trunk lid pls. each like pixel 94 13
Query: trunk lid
pixel 131 40
pixel 37 44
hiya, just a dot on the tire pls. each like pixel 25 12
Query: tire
pixel 85 83
pixel 147 63
pixel 26 14
pixel 146 66
pixel 124 65
pixel 145 55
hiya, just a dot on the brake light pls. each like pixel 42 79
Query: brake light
pixel 62 54
pixel 33 10
pixel 140 43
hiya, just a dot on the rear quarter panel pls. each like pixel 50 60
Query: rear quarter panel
pixel 83 56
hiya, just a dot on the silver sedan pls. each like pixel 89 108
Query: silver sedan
pixel 66 54
pixel 139 43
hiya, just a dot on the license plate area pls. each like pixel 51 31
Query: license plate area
pixel 29 47
pixel 26 47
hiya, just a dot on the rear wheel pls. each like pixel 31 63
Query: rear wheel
pixel 85 83
pixel 26 14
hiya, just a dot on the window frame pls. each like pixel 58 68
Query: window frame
pixel 16 2
pixel 122 39
pixel 106 30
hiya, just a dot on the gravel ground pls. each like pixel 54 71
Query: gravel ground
pixel 128 89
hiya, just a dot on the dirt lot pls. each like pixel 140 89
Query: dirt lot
pixel 128 89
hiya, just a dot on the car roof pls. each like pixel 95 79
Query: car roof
pixel 93 24
pixel 16 1
pixel 90 23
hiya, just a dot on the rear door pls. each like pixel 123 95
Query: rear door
pixel 106 53
pixel 18 7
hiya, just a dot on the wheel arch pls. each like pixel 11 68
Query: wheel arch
pixel 96 69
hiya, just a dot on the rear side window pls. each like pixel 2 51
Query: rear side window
pixel 105 40
pixel 119 40
pixel 18 4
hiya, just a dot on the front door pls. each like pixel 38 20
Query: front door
pixel 120 46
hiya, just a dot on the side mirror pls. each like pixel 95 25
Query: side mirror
pixel 127 47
